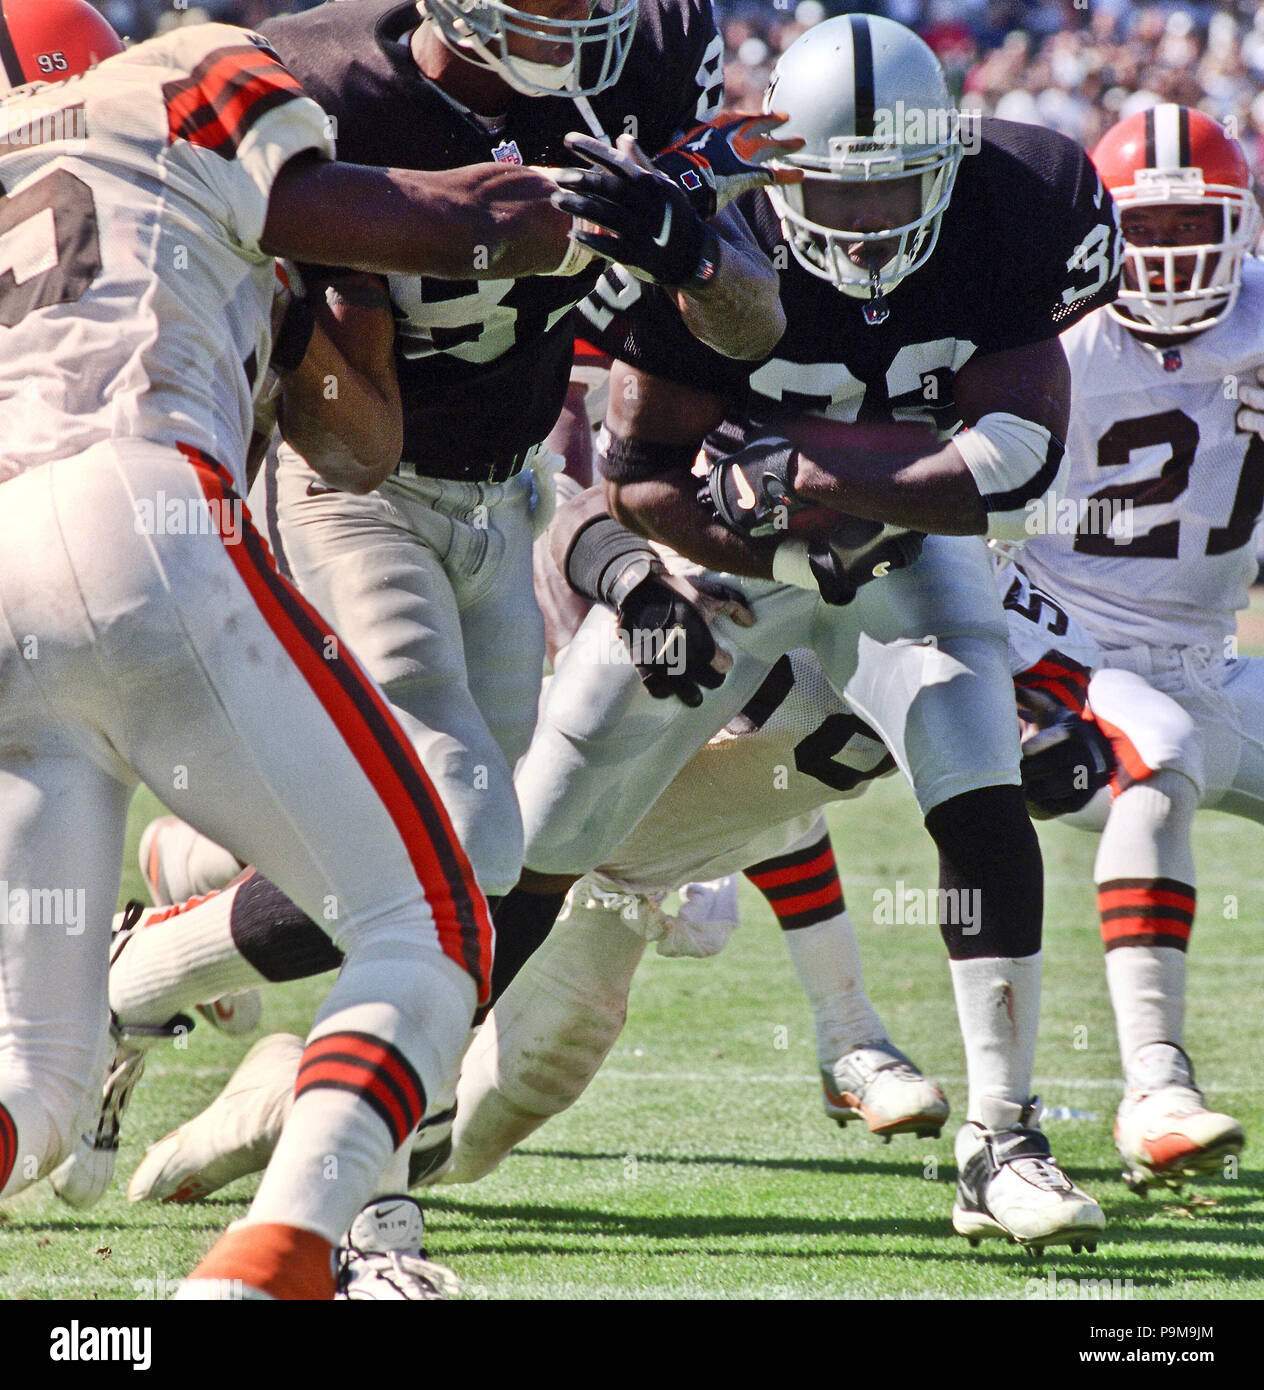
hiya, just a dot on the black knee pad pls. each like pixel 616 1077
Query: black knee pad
pixel 990 866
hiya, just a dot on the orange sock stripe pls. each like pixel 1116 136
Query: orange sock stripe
pixel 764 879
pixel 369 730
pixel 363 1065
pixel 831 897
pixel 283 1261
pixel 1145 931
pixel 335 1075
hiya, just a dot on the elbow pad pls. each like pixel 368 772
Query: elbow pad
pixel 1015 464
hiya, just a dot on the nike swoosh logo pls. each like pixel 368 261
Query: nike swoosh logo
pixel 746 498
pixel 315 489
pixel 665 229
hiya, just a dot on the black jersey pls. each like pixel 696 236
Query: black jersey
pixel 483 365
pixel 1029 244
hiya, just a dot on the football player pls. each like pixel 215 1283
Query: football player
pixel 146 635
pixel 923 287
pixel 1167 481
pixel 749 800
pixel 429 576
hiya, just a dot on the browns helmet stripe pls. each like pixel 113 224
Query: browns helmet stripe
pixel 1171 137
pixel 9 55
pixel 1151 159
pixel 862 63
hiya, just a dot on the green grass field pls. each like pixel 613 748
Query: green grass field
pixel 699 1164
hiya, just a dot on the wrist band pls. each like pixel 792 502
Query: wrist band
pixel 293 337
pixel 620 458
pixel 599 557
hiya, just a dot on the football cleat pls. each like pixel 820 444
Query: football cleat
pixel 1009 1187
pixel 1163 1129
pixel 431 1154
pixel 233 1136
pixel 878 1084
pixel 383 1258
pixel 82 1179
pixel 166 850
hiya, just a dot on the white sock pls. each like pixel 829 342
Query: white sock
pixel 348 1124
pixel 180 959
pixel 1147 839
pixel 826 958
pixel 998 1005
pixel 1147 990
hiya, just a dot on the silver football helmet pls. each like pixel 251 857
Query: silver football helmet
pixel 481 30
pixel 870 100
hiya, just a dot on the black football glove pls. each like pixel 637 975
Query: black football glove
pixel 752 490
pixel 1066 760
pixel 642 219
pixel 719 161
pixel 858 551
pixel 664 623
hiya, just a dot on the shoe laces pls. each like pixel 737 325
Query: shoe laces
pixel 1041 1172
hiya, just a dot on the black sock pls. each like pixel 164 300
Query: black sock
pixel 522 920
pixel 279 940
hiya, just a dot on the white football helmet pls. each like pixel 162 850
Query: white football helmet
pixel 480 30
pixel 870 100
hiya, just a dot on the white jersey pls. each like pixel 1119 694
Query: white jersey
pixel 134 296
pixel 1153 449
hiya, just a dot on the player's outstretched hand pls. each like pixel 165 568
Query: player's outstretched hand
pixel 858 551
pixel 636 215
pixel 1250 417
pixel 719 161
pixel 666 623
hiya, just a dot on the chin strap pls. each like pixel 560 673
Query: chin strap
pixel 876 311
pixel 584 107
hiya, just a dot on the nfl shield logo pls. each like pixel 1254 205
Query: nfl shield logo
pixel 691 180
pixel 507 153
pixel 1172 359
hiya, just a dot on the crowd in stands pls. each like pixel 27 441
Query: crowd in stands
pixel 1076 65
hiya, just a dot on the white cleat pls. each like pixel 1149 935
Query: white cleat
pixel 1163 1129
pixel 83 1179
pixel 166 845
pixel 383 1258
pixel 234 1014
pixel 1010 1188
pixel 878 1084
pixel 233 1136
